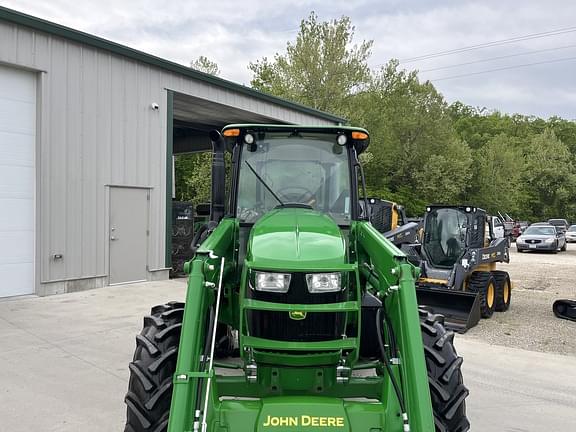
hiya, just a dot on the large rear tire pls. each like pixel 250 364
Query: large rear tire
pixel 447 389
pixel 151 372
pixel 483 284
pixel 503 290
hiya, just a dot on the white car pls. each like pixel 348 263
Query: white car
pixel 497 227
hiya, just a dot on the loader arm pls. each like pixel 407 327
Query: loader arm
pixel 191 371
pixel 393 278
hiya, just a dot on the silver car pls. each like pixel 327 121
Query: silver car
pixel 571 234
pixel 542 238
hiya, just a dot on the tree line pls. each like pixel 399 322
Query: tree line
pixel 423 150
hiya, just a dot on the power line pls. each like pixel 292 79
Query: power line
pixel 498 58
pixel 491 44
pixel 503 68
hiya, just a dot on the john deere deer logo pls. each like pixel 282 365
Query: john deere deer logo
pixel 297 315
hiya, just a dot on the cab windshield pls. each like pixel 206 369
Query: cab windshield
pixel 283 169
pixel 445 236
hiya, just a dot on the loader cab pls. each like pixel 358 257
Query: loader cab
pixel 449 231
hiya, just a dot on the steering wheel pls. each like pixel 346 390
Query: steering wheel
pixel 297 194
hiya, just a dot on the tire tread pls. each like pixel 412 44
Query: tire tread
pixel 152 369
pixel 447 388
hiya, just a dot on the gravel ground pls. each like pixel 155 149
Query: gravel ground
pixel 538 279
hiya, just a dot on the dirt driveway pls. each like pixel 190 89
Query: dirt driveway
pixel 538 279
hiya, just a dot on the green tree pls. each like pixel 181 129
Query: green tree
pixel 321 69
pixel 204 64
pixel 565 130
pixel 549 177
pixel 496 184
pixel 477 126
pixel 415 155
pixel 193 174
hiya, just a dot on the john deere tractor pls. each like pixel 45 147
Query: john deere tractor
pixel 299 314
pixel 458 257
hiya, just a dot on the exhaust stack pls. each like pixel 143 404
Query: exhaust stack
pixel 217 202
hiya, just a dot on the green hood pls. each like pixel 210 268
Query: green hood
pixel 296 239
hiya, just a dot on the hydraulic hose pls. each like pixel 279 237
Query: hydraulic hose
pixel 386 360
pixel 390 331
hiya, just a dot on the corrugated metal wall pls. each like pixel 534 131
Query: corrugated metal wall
pixel 96 128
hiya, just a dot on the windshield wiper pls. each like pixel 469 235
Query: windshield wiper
pixel 264 183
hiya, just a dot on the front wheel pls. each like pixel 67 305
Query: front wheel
pixel 483 284
pixel 503 290
pixel 151 372
pixel 447 388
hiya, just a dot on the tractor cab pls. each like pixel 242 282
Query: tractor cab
pixel 278 167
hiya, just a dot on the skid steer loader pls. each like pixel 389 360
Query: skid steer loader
pixel 322 306
pixel 458 256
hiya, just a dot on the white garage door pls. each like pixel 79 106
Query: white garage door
pixel 17 140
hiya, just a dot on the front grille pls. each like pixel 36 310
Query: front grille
pixel 314 327
pixel 534 241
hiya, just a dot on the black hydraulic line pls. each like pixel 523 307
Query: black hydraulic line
pixel 386 359
pixel 390 331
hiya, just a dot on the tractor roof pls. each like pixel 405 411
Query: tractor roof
pixel 463 207
pixel 360 145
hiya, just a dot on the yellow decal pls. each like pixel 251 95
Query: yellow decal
pixel 297 315
pixel 304 420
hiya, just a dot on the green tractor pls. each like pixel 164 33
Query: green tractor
pixel 299 314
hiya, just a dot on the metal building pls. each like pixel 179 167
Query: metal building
pixel 88 129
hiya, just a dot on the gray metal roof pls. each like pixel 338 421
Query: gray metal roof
pixel 97 42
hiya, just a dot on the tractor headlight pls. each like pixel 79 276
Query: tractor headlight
pixel 324 282
pixel 272 282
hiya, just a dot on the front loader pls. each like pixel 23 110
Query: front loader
pixel 299 315
pixel 458 254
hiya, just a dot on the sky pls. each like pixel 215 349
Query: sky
pixel 234 33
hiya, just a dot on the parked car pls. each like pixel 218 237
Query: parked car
pixel 559 224
pixel 571 234
pixel 542 237
pixel 497 227
pixel 519 228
